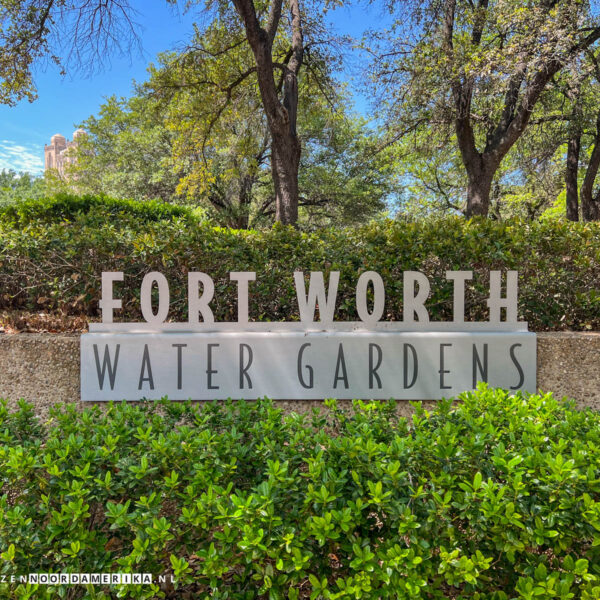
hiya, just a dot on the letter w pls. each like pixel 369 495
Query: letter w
pixel 106 364
pixel 316 295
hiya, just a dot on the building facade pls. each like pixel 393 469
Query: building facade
pixel 59 153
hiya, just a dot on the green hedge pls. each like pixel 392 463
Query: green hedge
pixel 55 263
pixel 496 498
pixel 66 207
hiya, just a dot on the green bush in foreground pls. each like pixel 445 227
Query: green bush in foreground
pixel 52 254
pixel 496 497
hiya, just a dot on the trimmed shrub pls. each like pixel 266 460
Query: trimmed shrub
pixel 67 207
pixel 54 263
pixel 496 497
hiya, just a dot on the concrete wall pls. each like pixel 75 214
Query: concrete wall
pixel 44 369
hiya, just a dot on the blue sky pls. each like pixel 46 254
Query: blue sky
pixel 64 102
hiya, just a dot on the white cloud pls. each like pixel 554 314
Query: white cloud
pixel 20 157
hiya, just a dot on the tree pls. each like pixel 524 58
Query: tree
pixel 212 101
pixel 590 199
pixel 19 186
pixel 70 34
pixel 274 40
pixel 281 112
pixel 528 183
pixel 480 68
pixel 127 152
pixel 572 93
pixel 578 132
pixel 344 177
pixel 162 143
pixel 428 165
pixel 29 28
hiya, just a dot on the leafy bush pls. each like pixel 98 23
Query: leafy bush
pixel 55 262
pixel 497 497
pixel 66 207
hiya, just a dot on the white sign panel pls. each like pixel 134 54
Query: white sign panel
pixel 303 364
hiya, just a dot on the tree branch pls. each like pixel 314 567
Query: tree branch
pixel 504 139
pixel 297 38
pixel 462 91
pixel 274 17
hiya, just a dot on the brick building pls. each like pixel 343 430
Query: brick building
pixel 57 155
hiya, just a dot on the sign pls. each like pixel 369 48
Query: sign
pixel 306 359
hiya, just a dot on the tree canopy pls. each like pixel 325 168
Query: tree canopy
pixel 19 186
pixel 154 145
pixel 73 35
pixel 489 108
pixel 477 71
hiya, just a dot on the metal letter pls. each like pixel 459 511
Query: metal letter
pixel 199 304
pixel 107 304
pixel 366 317
pixel 316 295
pixel 414 304
pixel 163 298
pixel 242 278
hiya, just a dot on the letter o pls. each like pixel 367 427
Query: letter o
pixel 370 318
pixel 163 298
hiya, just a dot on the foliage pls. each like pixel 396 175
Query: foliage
pixel 495 498
pixel 345 177
pixel 126 152
pixel 72 241
pixel 65 208
pixel 15 187
pixel 477 70
pixel 75 35
pixel 429 167
pixel 180 139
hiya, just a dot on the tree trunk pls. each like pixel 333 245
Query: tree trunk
pixel 285 162
pixel 478 198
pixel 590 207
pixel 590 210
pixel 285 146
pixel 521 96
pixel 594 212
pixel 242 220
pixel 571 171
pixel 281 116
pixel 480 177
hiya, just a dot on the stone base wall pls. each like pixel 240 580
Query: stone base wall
pixel 568 364
pixel 44 369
